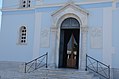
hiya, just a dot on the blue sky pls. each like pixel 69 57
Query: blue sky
pixel 0 12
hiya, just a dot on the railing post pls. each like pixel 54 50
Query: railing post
pixel 109 71
pixel 46 59
pixel 35 64
pixel 97 66
pixel 86 63
pixel 25 68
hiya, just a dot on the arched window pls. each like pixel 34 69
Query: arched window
pixel 23 35
pixel 70 23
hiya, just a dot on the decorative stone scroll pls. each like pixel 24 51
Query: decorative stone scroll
pixel 84 29
pixel 44 40
pixel 39 2
pixel 53 29
pixel 70 1
pixel 96 37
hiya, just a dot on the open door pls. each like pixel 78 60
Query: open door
pixel 69 44
pixel 72 48
pixel 69 48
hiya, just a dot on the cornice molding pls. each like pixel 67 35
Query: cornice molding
pixel 53 5
pixel 93 2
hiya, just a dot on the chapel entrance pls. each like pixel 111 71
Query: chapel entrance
pixel 69 43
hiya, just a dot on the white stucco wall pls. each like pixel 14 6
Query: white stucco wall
pixel 102 17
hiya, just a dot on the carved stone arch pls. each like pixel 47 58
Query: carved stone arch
pixel 62 18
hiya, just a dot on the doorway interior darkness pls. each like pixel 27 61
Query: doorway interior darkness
pixel 69 44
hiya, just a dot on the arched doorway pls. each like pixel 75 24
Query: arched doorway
pixel 69 43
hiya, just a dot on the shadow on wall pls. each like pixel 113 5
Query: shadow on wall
pixel 0 19
pixel 0 12
pixel 115 73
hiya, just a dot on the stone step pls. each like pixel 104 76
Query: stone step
pixel 12 70
pixel 78 72
pixel 60 73
pixel 49 75
pixel 96 77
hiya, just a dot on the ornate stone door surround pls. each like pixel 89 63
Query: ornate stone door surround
pixel 70 10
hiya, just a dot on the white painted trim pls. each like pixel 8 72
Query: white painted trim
pixel 52 5
pixel 36 43
pixel 108 49
pixel 116 0
pixel 93 2
pixel 114 4
pixel 16 9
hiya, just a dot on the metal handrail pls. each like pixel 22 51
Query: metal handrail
pixel 36 63
pixel 97 67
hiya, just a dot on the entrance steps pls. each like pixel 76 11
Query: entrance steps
pixel 12 71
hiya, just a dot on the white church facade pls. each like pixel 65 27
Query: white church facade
pixel 67 30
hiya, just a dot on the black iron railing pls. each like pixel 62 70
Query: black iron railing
pixel 98 67
pixel 36 63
